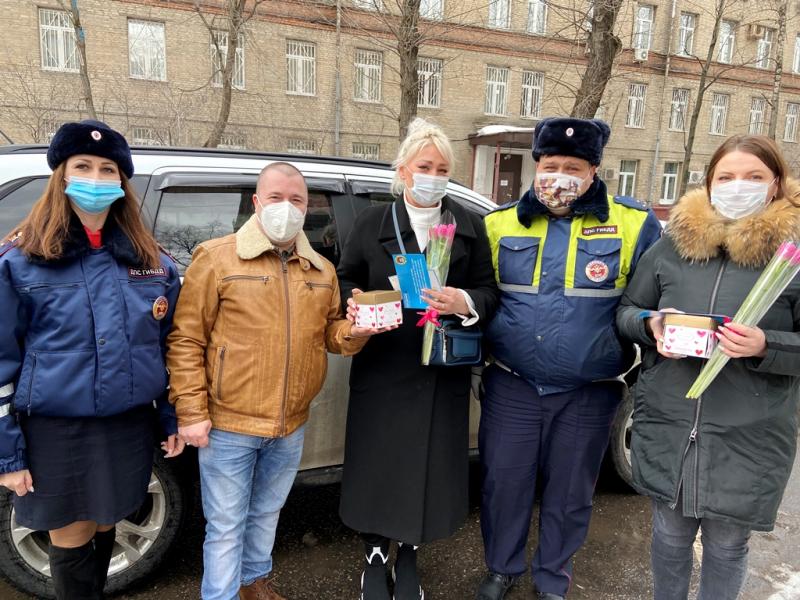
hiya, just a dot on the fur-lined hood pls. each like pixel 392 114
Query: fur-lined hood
pixel 700 233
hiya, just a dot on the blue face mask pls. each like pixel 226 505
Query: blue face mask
pixel 93 196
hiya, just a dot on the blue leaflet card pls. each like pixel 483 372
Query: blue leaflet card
pixel 412 274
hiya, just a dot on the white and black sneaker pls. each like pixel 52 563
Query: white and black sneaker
pixel 404 573
pixel 373 580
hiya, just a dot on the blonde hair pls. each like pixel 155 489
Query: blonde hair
pixel 421 133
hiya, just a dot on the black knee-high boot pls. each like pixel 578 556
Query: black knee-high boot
pixel 103 547
pixel 373 580
pixel 406 578
pixel 74 572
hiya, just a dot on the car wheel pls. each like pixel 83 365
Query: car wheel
pixel 621 438
pixel 143 538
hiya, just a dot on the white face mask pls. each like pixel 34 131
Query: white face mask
pixel 282 221
pixel 558 190
pixel 739 198
pixel 428 190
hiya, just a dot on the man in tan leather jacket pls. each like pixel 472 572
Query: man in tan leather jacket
pixel 258 312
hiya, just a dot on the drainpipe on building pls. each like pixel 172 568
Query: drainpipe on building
pixel 496 183
pixel 656 154
pixel 337 102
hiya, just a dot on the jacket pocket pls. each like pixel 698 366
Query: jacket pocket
pixel 220 370
pixel 516 259
pixel 597 263
pixel 59 384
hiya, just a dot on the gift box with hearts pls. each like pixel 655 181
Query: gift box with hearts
pixel 690 335
pixel 378 309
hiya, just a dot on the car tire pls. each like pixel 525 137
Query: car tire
pixel 143 539
pixel 620 444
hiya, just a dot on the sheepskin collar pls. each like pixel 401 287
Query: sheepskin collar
pixel 251 242
pixel 700 233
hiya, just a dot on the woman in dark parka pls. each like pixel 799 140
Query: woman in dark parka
pixel 720 463
pixel 406 450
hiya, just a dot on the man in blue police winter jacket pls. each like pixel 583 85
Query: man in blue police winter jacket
pixel 562 256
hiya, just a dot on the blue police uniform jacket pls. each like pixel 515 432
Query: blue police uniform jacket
pixel 560 281
pixel 82 336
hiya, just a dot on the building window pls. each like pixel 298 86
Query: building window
pixel 145 136
pixel 147 50
pixel 537 17
pixel 48 129
pixel 727 41
pixel 230 140
pixel 532 92
pixel 669 182
pixel 680 106
pixel 429 73
pixel 496 90
pixel 301 70
pixel 790 131
pixel 796 61
pixel 298 146
pixel 643 32
pixel 57 40
pixel 366 151
pixel 637 95
pixel 627 177
pixel 719 113
pixel 376 5
pixel 499 14
pixel 758 108
pixel 432 9
pixel 219 53
pixel 764 48
pixel 686 34
pixel 369 66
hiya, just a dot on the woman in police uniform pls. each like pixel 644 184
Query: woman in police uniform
pixel 86 301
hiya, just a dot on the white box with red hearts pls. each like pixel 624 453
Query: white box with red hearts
pixel 378 309
pixel 690 335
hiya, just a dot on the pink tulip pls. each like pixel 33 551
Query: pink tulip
pixel 787 250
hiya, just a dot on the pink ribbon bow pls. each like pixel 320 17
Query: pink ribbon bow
pixel 429 316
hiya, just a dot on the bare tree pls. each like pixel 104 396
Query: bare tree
pixel 236 15
pixel 604 46
pixel 80 42
pixel 782 9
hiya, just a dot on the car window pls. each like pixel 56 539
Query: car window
pixel 188 216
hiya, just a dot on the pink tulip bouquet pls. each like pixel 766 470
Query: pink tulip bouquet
pixel 438 250
pixel 777 276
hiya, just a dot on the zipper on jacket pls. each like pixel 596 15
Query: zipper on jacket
pixel 312 284
pixel 48 286
pixel 30 387
pixel 219 373
pixel 285 272
pixel 264 278
pixel 694 432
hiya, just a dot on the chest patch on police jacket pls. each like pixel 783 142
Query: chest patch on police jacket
pixel 147 273
pixel 600 230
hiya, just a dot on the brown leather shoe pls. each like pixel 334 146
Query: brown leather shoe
pixel 259 590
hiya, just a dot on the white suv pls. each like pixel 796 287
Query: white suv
pixel 189 196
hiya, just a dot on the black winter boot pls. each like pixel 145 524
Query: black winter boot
pixel 405 575
pixel 103 547
pixel 373 580
pixel 74 572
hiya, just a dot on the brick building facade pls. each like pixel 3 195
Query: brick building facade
pixel 490 69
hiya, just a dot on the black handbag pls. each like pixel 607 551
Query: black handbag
pixel 453 344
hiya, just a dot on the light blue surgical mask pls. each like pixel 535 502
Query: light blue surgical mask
pixel 93 196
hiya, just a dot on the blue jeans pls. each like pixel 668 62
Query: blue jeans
pixel 724 565
pixel 245 481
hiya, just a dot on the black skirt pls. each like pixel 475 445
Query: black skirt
pixel 86 469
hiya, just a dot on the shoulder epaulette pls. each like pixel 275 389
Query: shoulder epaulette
pixel 630 202
pixel 10 243
pixel 503 207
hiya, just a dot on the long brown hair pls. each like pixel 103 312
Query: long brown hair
pixel 765 150
pixel 45 229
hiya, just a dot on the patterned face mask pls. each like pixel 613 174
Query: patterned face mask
pixel 557 190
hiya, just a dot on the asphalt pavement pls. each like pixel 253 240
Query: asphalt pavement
pixel 317 558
